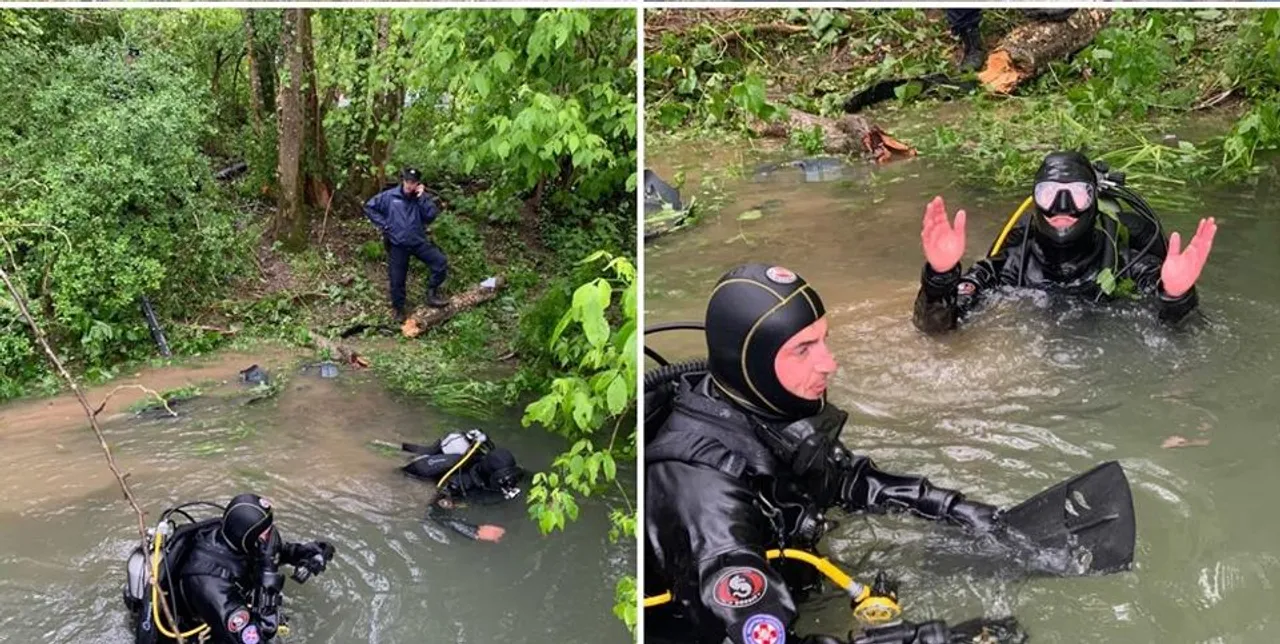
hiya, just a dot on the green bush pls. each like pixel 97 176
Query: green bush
pixel 106 199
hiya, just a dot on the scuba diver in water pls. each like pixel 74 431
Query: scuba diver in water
pixel 1079 242
pixel 219 578
pixel 465 467
pixel 747 459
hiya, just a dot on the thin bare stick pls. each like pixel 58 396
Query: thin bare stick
pixel 145 390
pixel 324 225
pixel 93 421
pixel 92 416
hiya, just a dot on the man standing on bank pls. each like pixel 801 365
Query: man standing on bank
pixel 402 214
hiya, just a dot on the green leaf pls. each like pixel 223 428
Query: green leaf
pixel 541 411
pixel 583 410
pixel 503 60
pixel 1107 281
pixel 610 467
pixel 617 396
pixel 481 81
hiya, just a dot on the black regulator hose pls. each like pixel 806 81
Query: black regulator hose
pixel 655 378
pixel 659 392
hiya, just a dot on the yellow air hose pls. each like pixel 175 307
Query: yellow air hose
pixel 444 479
pixel 1013 221
pixel 155 597
pixel 877 609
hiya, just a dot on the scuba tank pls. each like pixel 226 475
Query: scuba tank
pixel 137 591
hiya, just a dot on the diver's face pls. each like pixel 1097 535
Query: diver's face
pixel 804 363
pixel 1062 203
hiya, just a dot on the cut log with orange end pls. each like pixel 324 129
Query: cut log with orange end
pixel 410 328
pixel 999 75
pixel 1028 49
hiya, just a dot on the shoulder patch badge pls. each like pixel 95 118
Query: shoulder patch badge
pixel 740 587
pixel 237 621
pixel 266 505
pixel 780 275
pixel 966 288
pixel 764 629
pixel 250 635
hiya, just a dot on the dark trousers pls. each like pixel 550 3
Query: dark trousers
pixel 398 267
pixel 962 20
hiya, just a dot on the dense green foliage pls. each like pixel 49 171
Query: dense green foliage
pixel 523 121
pixel 106 198
pixel 592 396
pixel 1145 74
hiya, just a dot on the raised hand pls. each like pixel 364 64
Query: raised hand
pixel 1182 268
pixel 943 243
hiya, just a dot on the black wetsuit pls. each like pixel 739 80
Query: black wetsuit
pixel 947 298
pixel 467 483
pixel 214 585
pixel 717 499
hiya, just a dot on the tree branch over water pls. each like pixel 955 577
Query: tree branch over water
pixel 92 415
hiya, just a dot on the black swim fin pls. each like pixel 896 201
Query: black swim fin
pixel 1089 516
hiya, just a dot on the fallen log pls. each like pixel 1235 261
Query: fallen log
pixel 850 134
pixel 426 317
pixel 1027 50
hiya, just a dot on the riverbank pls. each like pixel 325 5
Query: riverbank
pixel 1181 97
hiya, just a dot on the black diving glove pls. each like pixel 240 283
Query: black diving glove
pixel 308 558
pixel 863 486
pixel 980 631
pixel 979 517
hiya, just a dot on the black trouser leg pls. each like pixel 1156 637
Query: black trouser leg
pixel 962 20
pixel 434 258
pixel 397 275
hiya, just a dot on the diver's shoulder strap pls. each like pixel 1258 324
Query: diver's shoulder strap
pixel 178 545
pixel 710 432
pixel 198 562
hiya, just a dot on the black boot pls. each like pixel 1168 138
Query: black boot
pixel 435 299
pixel 974 56
pixel 399 316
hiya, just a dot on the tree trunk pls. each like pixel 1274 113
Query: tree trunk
pixel 315 158
pixel 255 79
pixel 385 115
pixel 217 72
pixel 290 224
pixel 1027 51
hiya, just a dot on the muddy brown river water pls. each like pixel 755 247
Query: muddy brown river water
pixel 65 529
